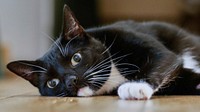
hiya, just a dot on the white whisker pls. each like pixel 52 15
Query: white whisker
pixel 59 45
pixel 110 81
pixel 61 94
pixel 102 64
pixel 99 86
pixel 94 67
pixel 67 45
pixel 109 46
pixel 103 76
pixel 99 71
pixel 97 78
pixel 105 38
pixel 128 64
pixel 95 84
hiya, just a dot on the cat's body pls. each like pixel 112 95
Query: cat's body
pixel 178 50
pixel 135 59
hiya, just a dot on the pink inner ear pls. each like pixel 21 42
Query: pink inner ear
pixel 71 26
pixel 25 69
pixel 74 31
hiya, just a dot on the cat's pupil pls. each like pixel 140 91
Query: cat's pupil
pixel 53 83
pixel 77 58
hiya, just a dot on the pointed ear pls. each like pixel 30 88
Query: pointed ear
pixel 26 69
pixel 71 26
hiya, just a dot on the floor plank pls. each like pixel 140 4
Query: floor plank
pixel 19 96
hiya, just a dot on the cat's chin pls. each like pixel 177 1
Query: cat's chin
pixel 85 91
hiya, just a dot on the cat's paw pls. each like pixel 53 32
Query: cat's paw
pixel 135 91
pixel 85 91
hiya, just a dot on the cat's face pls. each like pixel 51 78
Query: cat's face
pixel 76 61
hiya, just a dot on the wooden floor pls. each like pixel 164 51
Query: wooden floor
pixel 17 95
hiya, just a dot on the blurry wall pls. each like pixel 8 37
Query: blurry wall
pixel 142 10
pixel 23 24
pixel 184 13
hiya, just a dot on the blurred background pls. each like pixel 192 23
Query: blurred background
pixel 26 24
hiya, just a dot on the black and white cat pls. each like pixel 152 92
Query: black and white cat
pixel 133 60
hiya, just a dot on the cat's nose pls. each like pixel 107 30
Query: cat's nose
pixel 71 82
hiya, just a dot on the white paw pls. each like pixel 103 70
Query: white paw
pixel 85 91
pixel 135 91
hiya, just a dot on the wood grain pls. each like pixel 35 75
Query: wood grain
pixel 17 95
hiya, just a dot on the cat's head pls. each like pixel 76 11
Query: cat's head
pixel 76 65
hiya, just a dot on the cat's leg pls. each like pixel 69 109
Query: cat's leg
pixel 160 73
pixel 135 91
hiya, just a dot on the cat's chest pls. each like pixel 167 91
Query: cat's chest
pixel 115 79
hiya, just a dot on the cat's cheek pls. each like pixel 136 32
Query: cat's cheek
pixel 85 91
pixel 135 91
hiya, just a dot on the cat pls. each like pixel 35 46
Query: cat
pixel 130 59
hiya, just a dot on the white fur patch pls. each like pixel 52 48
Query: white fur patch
pixel 114 80
pixel 198 86
pixel 135 91
pixel 190 63
pixel 85 91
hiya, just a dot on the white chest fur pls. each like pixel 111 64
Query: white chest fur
pixel 189 62
pixel 115 79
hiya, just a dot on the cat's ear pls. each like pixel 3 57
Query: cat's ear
pixel 71 26
pixel 26 69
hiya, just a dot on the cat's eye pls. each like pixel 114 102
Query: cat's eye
pixel 76 59
pixel 53 83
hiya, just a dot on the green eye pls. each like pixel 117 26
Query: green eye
pixel 53 83
pixel 76 59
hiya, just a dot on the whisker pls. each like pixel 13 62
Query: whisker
pixel 96 71
pixel 61 94
pixel 103 77
pixel 94 67
pixel 105 38
pixel 106 76
pixel 109 81
pixel 125 74
pixel 109 46
pixel 97 78
pixel 102 73
pixel 67 45
pixel 59 45
pixel 101 64
pixel 130 71
pixel 95 84
pixel 99 71
pixel 99 86
pixel 128 64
